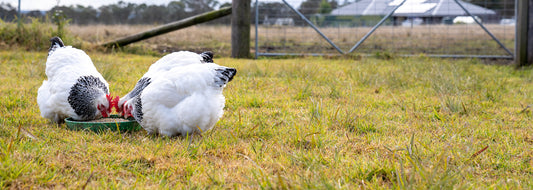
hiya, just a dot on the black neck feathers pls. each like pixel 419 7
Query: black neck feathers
pixel 83 94
pixel 138 113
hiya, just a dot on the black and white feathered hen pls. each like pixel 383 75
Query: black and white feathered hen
pixel 74 87
pixel 182 100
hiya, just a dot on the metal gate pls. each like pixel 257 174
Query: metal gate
pixel 266 44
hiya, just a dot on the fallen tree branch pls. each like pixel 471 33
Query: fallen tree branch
pixel 197 19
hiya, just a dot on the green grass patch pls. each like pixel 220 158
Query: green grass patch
pixel 305 123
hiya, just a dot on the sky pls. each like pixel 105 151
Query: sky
pixel 45 5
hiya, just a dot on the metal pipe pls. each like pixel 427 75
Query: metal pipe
pixel 486 30
pixel 256 25
pixel 19 19
pixel 403 55
pixel 296 54
pixel 516 28
pixel 314 27
pixel 464 56
pixel 375 27
pixel 18 13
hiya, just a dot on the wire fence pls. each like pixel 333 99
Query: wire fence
pixel 430 27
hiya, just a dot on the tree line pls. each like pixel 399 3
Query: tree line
pixel 120 13
pixel 131 13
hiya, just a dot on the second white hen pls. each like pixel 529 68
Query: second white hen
pixel 184 100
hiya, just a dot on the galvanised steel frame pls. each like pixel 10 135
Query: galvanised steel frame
pixel 257 53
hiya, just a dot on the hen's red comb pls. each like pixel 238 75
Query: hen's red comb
pixel 114 102
pixel 110 100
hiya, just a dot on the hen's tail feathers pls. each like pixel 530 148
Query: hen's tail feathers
pixel 224 75
pixel 55 42
pixel 207 57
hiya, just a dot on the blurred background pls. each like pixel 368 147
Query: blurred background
pixel 431 27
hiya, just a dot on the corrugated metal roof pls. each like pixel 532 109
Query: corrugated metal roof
pixel 422 8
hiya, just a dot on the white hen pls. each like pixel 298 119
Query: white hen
pixel 74 87
pixel 184 100
pixel 166 63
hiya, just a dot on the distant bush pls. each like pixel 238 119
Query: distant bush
pixel 33 35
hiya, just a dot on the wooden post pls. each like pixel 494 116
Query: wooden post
pixel 240 29
pixel 197 19
pixel 524 33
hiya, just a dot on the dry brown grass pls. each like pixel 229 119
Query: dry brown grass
pixel 195 38
pixel 427 39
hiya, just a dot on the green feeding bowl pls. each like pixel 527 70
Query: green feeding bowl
pixel 113 123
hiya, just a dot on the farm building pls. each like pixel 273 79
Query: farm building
pixel 430 11
pixel 278 21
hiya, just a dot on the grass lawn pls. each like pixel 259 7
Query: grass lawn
pixel 305 123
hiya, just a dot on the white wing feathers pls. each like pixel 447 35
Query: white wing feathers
pixel 171 61
pixel 70 61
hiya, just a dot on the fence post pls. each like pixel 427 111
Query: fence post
pixel 524 33
pixel 240 28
